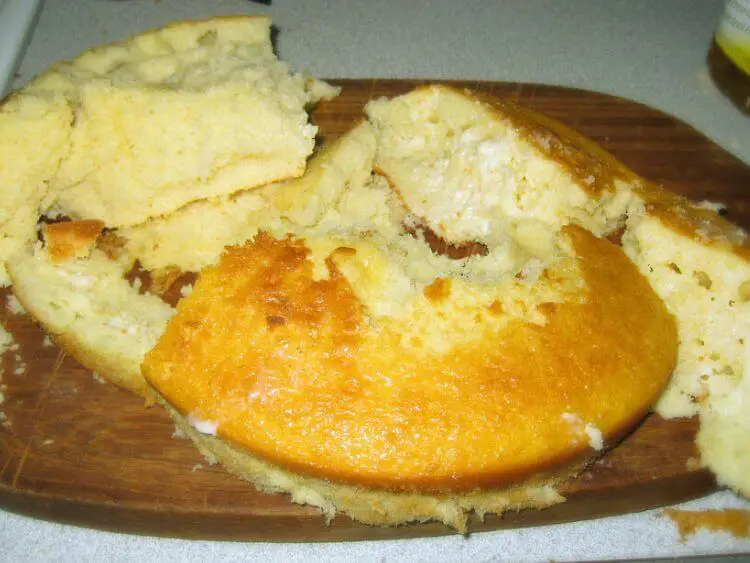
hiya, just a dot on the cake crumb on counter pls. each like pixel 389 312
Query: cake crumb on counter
pixel 734 521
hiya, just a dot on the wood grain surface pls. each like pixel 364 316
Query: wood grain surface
pixel 78 451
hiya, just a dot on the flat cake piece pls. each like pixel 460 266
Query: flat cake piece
pixel 193 110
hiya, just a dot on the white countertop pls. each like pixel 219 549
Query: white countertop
pixel 652 52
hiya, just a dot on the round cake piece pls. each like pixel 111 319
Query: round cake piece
pixel 465 386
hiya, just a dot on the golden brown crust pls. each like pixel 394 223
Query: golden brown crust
pixel 594 169
pixel 68 240
pixel 300 380
pixel 686 218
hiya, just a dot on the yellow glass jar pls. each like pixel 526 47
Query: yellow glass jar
pixel 729 56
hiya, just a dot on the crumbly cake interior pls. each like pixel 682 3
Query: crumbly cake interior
pixel 338 377
pixel 705 282
pixel 470 174
pixel 33 133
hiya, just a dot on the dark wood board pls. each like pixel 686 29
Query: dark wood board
pixel 78 451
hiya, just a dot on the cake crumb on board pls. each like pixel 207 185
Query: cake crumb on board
pixel 14 305
pixel 7 344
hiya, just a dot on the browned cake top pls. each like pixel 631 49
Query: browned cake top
pixel 292 369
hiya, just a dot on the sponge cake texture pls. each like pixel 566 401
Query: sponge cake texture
pixel 182 113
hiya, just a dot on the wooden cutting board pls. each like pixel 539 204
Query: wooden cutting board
pixel 79 451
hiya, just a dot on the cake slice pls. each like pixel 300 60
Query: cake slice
pixel 186 112
pixel 469 396
pixel 475 168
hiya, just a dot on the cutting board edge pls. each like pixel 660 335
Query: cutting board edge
pixel 111 516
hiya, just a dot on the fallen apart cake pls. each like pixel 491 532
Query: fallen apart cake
pixel 456 307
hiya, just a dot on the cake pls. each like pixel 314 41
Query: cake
pixel 88 307
pixel 699 264
pixel 139 128
pixel 458 306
